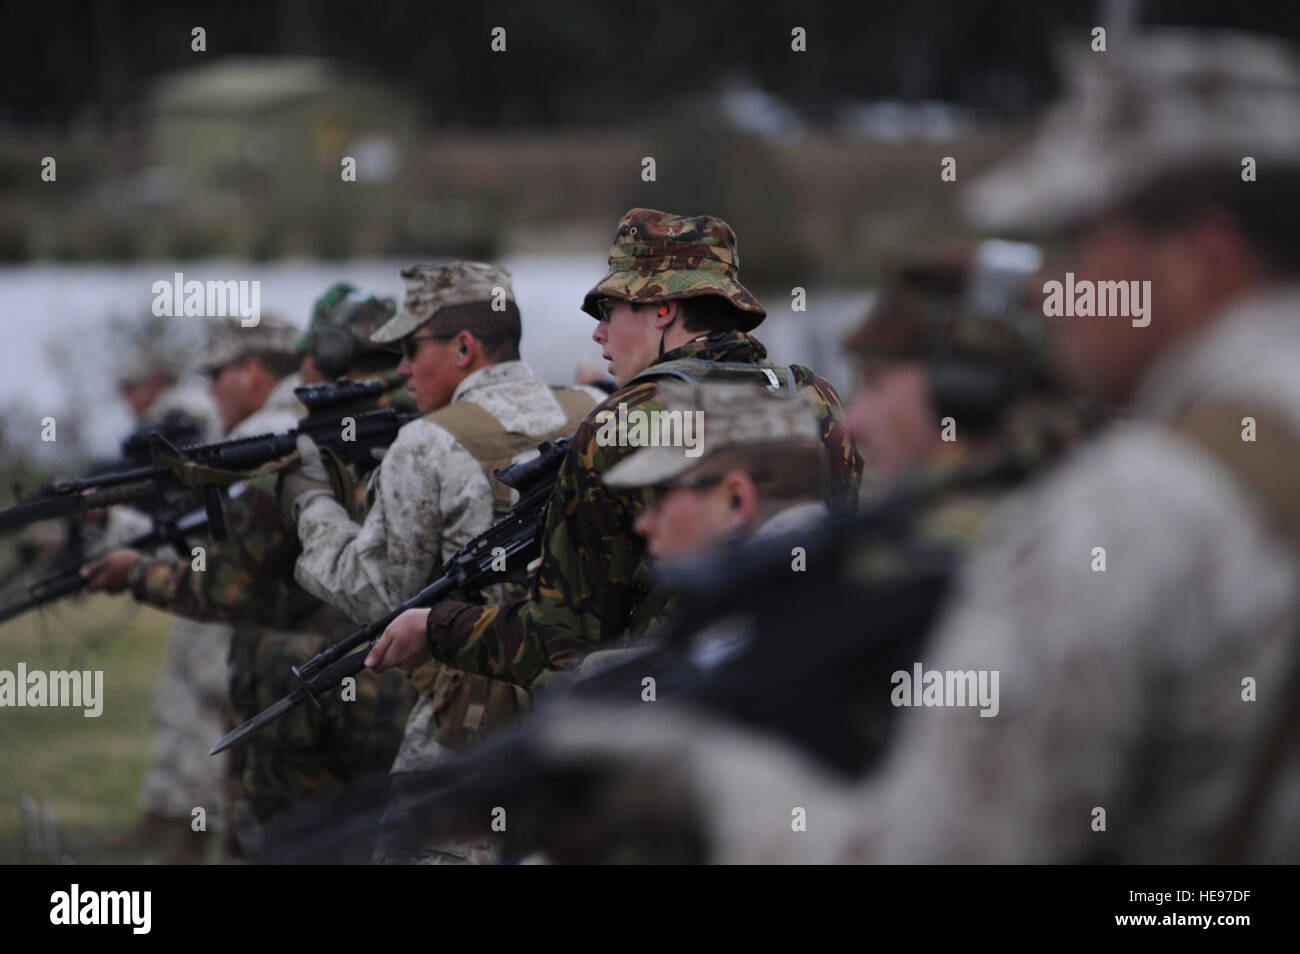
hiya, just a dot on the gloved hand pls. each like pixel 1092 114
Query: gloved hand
pixel 300 487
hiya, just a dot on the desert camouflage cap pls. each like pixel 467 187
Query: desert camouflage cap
pixel 732 415
pixel 967 300
pixel 1166 100
pixel 658 256
pixel 343 306
pixel 227 340
pixel 434 289
pixel 143 361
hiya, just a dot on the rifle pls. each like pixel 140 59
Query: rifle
pixel 66 579
pixel 218 464
pixel 789 654
pixel 512 541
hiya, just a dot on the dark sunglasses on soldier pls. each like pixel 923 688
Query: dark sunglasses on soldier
pixel 650 495
pixel 411 345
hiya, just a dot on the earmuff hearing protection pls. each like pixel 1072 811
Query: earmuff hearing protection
pixel 975 390
pixel 333 347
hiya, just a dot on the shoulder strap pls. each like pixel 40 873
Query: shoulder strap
pixel 574 403
pixel 773 376
pixel 494 447
pixel 1269 471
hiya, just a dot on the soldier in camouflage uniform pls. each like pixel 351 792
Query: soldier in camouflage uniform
pixel 433 492
pixel 1147 708
pixel 758 469
pixel 670 306
pixel 248 581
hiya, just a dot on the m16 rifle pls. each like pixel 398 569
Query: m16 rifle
pixel 334 421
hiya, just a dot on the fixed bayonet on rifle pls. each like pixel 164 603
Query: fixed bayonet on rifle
pixel 489 558
pixel 209 467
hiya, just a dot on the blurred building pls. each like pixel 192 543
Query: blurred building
pixel 252 150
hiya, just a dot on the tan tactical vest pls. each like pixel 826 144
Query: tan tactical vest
pixel 1270 477
pixel 467 706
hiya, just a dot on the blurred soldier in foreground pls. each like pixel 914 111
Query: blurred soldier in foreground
pixel 671 306
pixel 434 491
pixel 1139 605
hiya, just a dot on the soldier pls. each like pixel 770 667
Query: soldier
pixel 248 580
pixel 1140 603
pixel 671 306
pixel 760 470
pixel 434 491
pixel 150 383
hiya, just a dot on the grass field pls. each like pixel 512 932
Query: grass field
pixel 86 771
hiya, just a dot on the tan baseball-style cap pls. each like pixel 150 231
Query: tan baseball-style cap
pixel 1166 100
pixel 433 290
pixel 227 340
pixel 731 415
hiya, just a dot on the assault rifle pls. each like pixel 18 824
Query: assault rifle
pixel 806 656
pixel 209 467
pixel 489 558
pixel 66 579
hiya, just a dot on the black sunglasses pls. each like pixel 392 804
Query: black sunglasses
pixel 411 345
pixel 650 495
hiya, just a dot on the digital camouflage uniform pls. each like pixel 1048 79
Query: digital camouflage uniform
pixel 590 579
pixel 430 496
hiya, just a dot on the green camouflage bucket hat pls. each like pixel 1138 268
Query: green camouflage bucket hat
pixel 657 257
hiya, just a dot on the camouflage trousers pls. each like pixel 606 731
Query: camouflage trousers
pixel 190 713
pixel 310 760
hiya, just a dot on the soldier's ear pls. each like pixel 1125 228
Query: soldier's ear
pixel 742 498
pixel 664 314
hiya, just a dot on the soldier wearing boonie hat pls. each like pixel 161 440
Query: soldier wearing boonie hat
pixel 1118 693
pixel 671 306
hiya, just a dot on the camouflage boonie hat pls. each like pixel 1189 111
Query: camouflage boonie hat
pixel 433 290
pixel 227 340
pixel 343 306
pixel 732 415
pixel 1168 100
pixel 657 257
pixel 969 301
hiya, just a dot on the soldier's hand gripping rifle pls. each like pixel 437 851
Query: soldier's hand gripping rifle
pixel 66 579
pixel 487 559
pixel 334 421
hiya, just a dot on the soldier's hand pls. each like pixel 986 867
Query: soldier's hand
pixel 403 643
pixel 305 484
pixel 109 573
